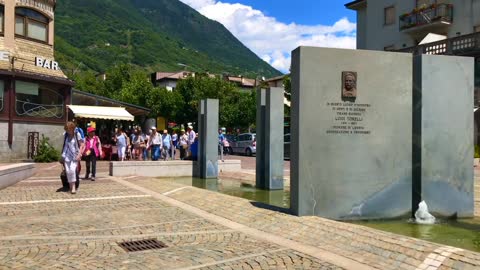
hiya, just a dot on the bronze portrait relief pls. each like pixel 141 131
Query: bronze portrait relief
pixel 349 85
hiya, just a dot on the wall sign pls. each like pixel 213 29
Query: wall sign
pixel 4 56
pixel 45 63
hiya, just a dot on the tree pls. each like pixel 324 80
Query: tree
pixel 165 103
pixel 235 108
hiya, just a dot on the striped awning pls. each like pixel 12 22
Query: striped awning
pixel 100 112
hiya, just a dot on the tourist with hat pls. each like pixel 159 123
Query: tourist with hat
pixel 183 143
pixel 191 139
pixel 93 151
pixel 155 143
pixel 166 144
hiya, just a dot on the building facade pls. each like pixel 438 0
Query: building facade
pixel 443 27
pixel 399 24
pixel 34 91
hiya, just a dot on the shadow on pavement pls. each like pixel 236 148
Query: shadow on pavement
pixel 272 207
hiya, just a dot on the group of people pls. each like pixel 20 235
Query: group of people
pixel 161 145
pixel 137 145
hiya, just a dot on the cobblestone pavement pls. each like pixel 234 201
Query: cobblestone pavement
pixel 42 228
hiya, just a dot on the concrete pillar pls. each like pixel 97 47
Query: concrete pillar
pixel 207 139
pixel 269 155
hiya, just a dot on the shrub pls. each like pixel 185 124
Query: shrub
pixel 46 152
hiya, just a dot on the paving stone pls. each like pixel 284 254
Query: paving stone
pixel 36 233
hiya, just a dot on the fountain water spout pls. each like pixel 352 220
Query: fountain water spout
pixel 422 216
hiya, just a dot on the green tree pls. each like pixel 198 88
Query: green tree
pixel 165 103
pixel 236 108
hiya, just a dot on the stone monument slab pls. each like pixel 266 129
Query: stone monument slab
pixel 351 135
pixel 443 146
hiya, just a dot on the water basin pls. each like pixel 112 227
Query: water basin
pixel 462 233
pixel 237 188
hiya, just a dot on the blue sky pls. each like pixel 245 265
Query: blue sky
pixel 308 12
pixel 273 28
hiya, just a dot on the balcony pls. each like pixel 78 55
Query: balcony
pixel 466 45
pixel 433 19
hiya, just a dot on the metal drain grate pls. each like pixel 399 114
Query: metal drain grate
pixel 141 245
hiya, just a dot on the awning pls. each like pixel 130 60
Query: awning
pixel 431 37
pixel 100 112
pixel 475 109
pixel 89 99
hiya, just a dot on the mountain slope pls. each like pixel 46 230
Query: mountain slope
pixel 153 34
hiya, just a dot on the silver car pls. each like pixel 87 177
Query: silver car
pixel 244 143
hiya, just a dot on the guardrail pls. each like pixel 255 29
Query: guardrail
pixel 426 15
pixel 461 45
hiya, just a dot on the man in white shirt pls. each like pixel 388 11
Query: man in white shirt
pixel 191 139
pixel 155 143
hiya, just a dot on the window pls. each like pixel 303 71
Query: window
pixel 389 15
pixel 2 91
pixel 2 18
pixel 36 100
pixel 31 24
pixel 476 28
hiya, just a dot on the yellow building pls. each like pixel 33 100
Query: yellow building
pixel 34 91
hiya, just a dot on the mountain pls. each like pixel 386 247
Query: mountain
pixel 157 35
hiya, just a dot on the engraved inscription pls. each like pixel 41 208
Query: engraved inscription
pixel 348 118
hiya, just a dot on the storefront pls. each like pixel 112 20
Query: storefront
pixel 34 91
pixel 105 115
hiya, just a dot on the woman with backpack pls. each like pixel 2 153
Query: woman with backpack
pixel 93 150
pixel 73 147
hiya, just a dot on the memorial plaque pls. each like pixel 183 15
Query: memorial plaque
pixel 349 85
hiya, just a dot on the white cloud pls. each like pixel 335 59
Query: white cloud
pixel 273 40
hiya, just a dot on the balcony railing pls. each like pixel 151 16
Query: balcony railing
pixel 468 45
pixel 436 13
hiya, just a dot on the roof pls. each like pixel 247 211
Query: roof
pixel 171 75
pixel 276 78
pixel 84 98
pixel 38 76
pixel 357 4
pixel 101 112
pixel 246 82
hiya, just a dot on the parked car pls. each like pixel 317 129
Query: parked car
pixel 286 146
pixel 231 139
pixel 244 143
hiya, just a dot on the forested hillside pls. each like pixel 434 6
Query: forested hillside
pixel 151 34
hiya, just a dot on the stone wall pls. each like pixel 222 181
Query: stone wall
pixel 19 148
